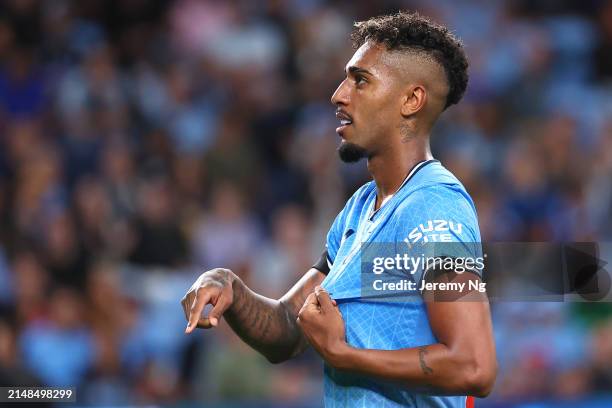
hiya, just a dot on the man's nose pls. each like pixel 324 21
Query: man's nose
pixel 340 96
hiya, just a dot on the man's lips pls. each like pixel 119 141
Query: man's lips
pixel 345 121
pixel 340 130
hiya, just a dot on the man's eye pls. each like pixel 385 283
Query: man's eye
pixel 359 80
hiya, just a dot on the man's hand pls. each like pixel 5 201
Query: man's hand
pixel 214 287
pixel 322 324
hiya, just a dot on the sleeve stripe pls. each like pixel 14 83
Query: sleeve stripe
pixel 323 264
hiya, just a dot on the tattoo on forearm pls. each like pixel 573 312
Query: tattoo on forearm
pixel 264 327
pixel 426 369
pixel 267 325
pixel 254 319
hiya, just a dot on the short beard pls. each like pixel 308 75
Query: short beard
pixel 351 153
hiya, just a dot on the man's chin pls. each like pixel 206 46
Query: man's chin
pixel 350 152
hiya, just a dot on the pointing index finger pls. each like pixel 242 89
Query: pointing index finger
pixel 196 310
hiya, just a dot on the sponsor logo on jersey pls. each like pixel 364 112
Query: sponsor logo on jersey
pixel 434 231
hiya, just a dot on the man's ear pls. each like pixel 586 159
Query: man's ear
pixel 414 100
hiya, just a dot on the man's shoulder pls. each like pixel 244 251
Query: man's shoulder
pixel 436 194
pixel 354 206
pixel 364 190
pixel 360 196
pixel 435 176
pixel 435 197
pixel 436 182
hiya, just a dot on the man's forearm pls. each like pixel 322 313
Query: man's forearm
pixel 433 369
pixel 267 325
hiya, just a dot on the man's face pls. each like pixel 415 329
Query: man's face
pixel 367 104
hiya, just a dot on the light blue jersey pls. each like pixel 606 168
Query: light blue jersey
pixel 431 206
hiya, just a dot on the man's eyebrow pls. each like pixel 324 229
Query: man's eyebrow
pixel 356 70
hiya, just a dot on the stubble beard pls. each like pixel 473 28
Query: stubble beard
pixel 351 153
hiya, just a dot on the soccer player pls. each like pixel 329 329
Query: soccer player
pixel 380 352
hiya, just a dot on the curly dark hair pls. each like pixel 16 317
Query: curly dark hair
pixel 411 31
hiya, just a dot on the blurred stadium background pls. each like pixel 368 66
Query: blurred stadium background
pixel 143 142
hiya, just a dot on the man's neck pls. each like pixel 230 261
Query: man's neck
pixel 391 168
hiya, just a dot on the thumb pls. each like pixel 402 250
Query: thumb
pixel 217 311
pixel 324 299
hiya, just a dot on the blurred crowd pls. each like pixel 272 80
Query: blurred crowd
pixel 145 141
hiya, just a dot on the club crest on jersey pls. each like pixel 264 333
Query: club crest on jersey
pixel 434 231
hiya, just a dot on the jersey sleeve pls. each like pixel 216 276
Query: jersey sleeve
pixel 334 237
pixel 343 225
pixel 438 224
pixel 332 244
